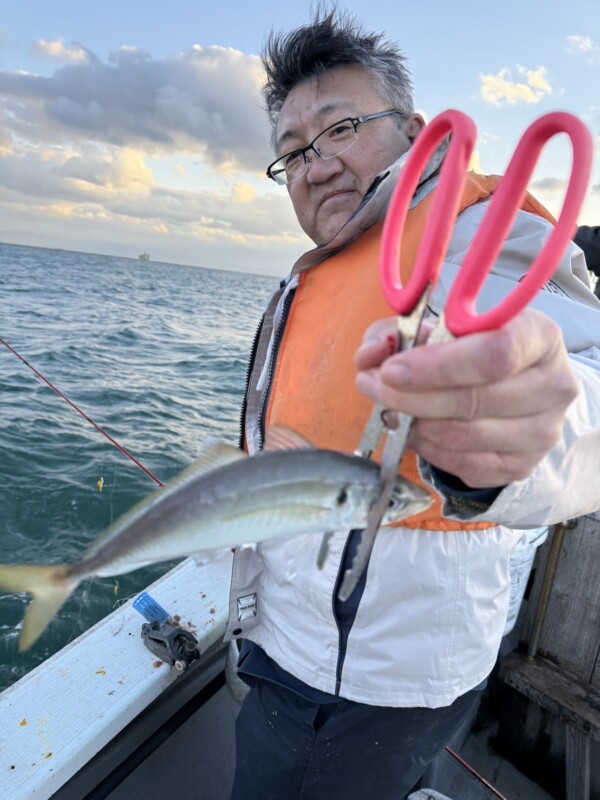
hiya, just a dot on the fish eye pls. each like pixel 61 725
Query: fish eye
pixel 342 497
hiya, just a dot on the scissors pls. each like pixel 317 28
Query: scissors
pixel 459 316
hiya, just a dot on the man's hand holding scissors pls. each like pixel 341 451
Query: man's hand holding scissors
pixel 488 406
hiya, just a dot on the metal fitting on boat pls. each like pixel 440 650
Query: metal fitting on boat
pixel 173 645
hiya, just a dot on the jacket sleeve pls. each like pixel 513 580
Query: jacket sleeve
pixel 565 483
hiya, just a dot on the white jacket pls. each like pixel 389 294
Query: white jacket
pixel 434 607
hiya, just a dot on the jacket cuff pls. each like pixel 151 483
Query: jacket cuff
pixel 460 500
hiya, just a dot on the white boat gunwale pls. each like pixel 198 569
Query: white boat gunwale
pixel 58 717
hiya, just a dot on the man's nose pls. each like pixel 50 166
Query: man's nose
pixel 322 169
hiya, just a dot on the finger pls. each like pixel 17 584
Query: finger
pixel 478 469
pixel 382 340
pixel 523 436
pixel 539 389
pixel 373 353
pixel 487 452
pixel 479 358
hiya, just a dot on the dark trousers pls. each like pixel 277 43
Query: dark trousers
pixel 288 748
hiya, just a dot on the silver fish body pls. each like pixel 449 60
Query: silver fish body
pixel 223 500
pixel 278 494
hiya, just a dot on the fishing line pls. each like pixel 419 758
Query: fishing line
pixel 475 774
pixel 83 414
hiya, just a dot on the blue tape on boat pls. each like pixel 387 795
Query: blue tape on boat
pixel 149 608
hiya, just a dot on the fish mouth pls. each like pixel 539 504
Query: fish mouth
pixel 407 499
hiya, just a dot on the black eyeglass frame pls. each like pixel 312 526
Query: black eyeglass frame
pixel 354 121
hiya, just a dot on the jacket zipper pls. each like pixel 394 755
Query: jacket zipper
pixel 275 350
pixel 249 368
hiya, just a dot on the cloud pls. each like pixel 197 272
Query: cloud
pixel 203 100
pixel 73 54
pixel 5 137
pixel 64 175
pixel 124 169
pixel 499 89
pixel 580 44
pixel 221 214
pixel 243 193
pixel 116 185
pixel 487 137
pixel 536 79
pixel 475 162
pixel 549 185
pixel 78 149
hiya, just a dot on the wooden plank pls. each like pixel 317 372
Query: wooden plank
pixel 591 524
pixel 569 699
pixel 533 739
pixel 570 635
pixel 578 764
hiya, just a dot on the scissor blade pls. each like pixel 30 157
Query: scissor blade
pixel 392 455
pixel 372 434
pixel 365 547
pixel 368 444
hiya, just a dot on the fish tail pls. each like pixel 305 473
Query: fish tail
pixel 49 588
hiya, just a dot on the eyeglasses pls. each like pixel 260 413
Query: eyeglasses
pixel 331 142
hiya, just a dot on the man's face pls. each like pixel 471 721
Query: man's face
pixel 332 189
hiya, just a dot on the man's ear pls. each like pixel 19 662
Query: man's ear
pixel 414 126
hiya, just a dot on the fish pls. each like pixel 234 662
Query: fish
pixel 223 500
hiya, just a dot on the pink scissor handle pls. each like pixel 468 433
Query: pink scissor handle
pixel 440 223
pixel 461 316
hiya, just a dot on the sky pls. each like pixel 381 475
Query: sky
pixel 130 127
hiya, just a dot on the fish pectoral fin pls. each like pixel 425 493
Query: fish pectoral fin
pixel 280 437
pixel 49 587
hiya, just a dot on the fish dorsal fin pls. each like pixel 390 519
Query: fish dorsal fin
pixel 214 454
pixel 280 437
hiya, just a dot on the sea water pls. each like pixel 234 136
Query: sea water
pixel 156 355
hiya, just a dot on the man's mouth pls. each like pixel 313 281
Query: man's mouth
pixel 338 194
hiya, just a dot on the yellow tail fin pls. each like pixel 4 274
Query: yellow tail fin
pixel 49 587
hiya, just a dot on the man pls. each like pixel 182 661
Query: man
pixel 354 699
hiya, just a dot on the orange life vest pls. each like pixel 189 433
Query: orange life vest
pixel 313 386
